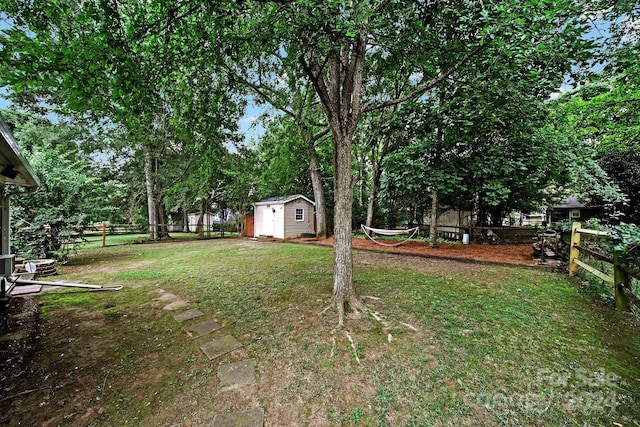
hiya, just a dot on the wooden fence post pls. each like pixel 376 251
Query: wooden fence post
pixel 620 279
pixel 574 252
pixel 104 234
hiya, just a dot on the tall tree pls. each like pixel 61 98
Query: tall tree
pixel 291 94
pixel 340 45
pixel 602 117
pixel 128 62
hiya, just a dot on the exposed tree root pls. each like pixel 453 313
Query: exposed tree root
pixel 408 326
pixel 353 345
pixel 343 303
pixel 22 393
pixel 327 308
pixel 356 305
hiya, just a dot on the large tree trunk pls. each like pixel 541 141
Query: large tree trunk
pixel 496 216
pixel 375 183
pixel 344 295
pixel 163 229
pixel 318 191
pixel 222 219
pixel 149 172
pixel 200 224
pixel 340 91
pixel 185 220
pixel 439 143
pixel 433 223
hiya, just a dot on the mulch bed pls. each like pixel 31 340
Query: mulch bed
pixel 506 254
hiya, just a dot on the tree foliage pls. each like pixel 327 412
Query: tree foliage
pixel 72 191
pixel 602 117
pixel 173 75
pixel 127 64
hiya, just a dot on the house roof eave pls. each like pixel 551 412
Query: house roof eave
pixel 14 167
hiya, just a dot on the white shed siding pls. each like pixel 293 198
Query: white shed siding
pixel 293 228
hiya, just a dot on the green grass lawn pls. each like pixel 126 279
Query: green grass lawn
pixel 458 344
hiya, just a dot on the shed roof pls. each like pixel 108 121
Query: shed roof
pixel 283 200
pixel 14 167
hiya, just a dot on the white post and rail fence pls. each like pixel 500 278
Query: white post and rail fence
pixel 622 274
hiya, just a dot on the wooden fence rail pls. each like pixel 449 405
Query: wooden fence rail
pixel 621 279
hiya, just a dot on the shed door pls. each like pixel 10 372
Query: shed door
pixel 267 221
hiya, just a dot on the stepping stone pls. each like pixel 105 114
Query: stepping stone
pixel 175 305
pixel 204 328
pixel 188 315
pixel 26 289
pixel 220 346
pixel 166 297
pixel 252 418
pixel 236 375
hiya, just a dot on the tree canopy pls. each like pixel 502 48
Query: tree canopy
pixel 448 98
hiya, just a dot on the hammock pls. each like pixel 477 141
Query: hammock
pixel 411 231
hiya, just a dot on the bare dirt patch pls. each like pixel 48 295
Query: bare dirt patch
pixel 44 380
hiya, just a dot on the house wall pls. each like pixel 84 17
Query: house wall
pixel 449 218
pixel 452 223
pixel 584 214
pixel 293 228
pixel 207 220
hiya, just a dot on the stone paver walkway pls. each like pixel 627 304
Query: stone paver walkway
pixel 188 315
pixel 231 376
pixel 252 418
pixel 236 375
pixel 220 346
pixel 204 328
pixel 175 305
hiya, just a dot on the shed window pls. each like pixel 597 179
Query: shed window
pixel 299 214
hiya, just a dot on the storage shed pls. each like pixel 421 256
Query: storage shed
pixel 16 176
pixel 284 217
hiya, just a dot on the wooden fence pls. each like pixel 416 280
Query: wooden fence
pixel 105 229
pixel 622 274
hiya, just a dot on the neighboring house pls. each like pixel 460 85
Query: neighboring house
pixel 573 210
pixel 209 219
pixel 284 217
pixel 522 219
pixel 16 176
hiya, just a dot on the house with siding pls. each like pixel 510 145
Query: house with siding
pixel 572 209
pixel 284 217
pixel 16 177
